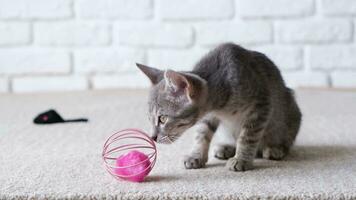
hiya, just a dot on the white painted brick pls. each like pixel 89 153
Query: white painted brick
pixel 305 79
pixel 153 35
pixel 14 33
pixel 339 7
pixel 115 9
pixel 183 60
pixel 274 8
pixel 311 41
pixel 240 32
pixel 333 56
pixel 4 85
pixel 344 79
pixel 196 9
pixel 49 83
pixel 123 80
pixel 107 60
pixel 329 30
pixel 34 61
pixel 35 9
pixel 71 33
pixel 285 57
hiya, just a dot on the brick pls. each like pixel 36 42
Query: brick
pixel 115 9
pixel 35 9
pixel 107 60
pixel 153 35
pixel 285 57
pixel 52 83
pixel 344 79
pixel 240 32
pixel 182 60
pixel 305 79
pixel 333 57
pixel 34 61
pixel 196 9
pixel 274 8
pixel 4 85
pixel 314 31
pixel 123 80
pixel 14 33
pixel 71 33
pixel 338 7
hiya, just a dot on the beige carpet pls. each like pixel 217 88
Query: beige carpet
pixel 63 161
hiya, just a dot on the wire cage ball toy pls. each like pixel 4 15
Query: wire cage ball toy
pixel 129 154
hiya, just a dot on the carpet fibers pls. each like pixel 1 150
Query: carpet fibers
pixel 63 161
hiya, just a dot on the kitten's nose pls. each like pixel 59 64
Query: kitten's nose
pixel 154 137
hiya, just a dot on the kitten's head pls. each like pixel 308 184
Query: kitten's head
pixel 175 103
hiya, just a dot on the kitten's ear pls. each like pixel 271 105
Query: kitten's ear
pixel 155 75
pixel 180 84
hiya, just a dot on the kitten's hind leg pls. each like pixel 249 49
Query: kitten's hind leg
pixel 274 153
pixel 224 151
pixel 259 153
pixel 199 154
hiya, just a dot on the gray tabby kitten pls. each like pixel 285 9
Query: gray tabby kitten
pixel 234 91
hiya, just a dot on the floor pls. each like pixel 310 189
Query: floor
pixel 63 161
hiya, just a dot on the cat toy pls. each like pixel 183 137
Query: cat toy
pixel 129 154
pixel 51 117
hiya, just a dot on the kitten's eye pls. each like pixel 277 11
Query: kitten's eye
pixel 162 119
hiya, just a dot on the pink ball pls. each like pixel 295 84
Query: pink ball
pixel 135 165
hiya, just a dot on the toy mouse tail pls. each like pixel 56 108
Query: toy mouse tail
pixel 77 120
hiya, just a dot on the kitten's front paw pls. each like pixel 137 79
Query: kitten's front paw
pixel 194 161
pixel 235 164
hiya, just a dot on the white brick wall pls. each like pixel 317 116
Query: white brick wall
pixel 180 59
pixel 253 32
pixel 344 79
pixel 195 9
pixel 152 35
pixel 107 60
pixel 15 33
pixel 285 57
pixel 333 57
pixel 305 79
pixel 33 61
pixel 123 80
pixel 89 44
pixel 339 7
pixel 3 85
pixel 35 9
pixel 115 9
pixel 50 83
pixel 275 8
pixel 314 31
pixel 71 34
